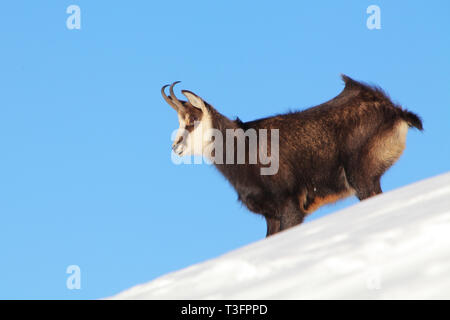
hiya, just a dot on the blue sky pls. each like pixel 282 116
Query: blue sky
pixel 86 176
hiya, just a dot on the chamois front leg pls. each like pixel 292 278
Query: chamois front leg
pixel 291 215
pixel 273 226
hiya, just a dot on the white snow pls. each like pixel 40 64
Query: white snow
pixel 393 246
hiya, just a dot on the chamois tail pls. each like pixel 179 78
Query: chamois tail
pixel 412 119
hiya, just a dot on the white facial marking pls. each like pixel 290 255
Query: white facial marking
pixel 192 141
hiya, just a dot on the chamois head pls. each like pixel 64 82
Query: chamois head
pixel 194 118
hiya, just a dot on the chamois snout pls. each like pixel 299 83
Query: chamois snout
pixel 178 147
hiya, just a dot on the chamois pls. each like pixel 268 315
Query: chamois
pixel 327 152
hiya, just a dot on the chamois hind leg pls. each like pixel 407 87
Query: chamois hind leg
pixel 368 189
pixel 273 226
pixel 363 178
pixel 378 155
pixel 291 215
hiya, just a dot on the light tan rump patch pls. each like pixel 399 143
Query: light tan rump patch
pixel 387 148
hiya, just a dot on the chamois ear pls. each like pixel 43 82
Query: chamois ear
pixel 195 100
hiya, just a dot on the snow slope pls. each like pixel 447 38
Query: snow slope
pixel 393 246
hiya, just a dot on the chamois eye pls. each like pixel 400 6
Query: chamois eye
pixel 192 122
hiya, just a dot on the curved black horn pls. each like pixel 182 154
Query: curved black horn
pixel 174 99
pixel 168 100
